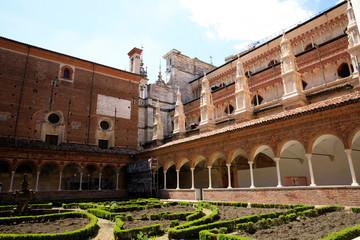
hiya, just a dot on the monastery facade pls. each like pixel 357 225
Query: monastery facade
pixel 278 122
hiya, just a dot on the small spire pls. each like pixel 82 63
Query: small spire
pixel 160 76
pixel 211 62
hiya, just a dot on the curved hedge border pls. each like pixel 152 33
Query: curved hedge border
pixel 78 234
pixel 215 234
pixel 128 234
pixel 105 214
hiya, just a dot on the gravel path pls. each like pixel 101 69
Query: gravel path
pixel 105 230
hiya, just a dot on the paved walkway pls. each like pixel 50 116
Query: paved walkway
pixel 105 230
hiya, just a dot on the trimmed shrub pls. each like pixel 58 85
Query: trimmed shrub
pixel 174 223
pixel 355 209
pixel 105 214
pixel 345 234
pixel 128 234
pixel 79 234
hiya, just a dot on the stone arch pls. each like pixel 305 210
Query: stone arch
pixel 264 167
pixel 197 159
pixel 315 136
pixel 49 177
pixel 219 174
pixel 240 174
pixel 328 150
pixel 71 177
pixel 354 143
pixel 294 168
pixel 185 174
pixel 171 175
pixel 201 174
pixel 182 162
pixel 5 175
pixel 28 167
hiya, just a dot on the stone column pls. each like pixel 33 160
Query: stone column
pixel 60 176
pixel 308 156
pixel 192 178
pixel 177 179
pixel 37 181
pixel 164 180
pixel 117 181
pixel 277 161
pixel 210 186
pixel 229 174
pixel 80 187
pixel 251 174
pixel 12 180
pixel 351 165
pixel 100 174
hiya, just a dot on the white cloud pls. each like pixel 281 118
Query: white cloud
pixel 245 20
pixel 210 34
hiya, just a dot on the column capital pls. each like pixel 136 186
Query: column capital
pixel 348 151
pixel 177 170
pixel 308 155
pixel 165 172
pixel 192 169
pixel 250 162
pixel 276 159
pixel 228 164
pixel 209 167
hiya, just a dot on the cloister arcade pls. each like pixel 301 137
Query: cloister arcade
pixel 51 176
pixel 324 160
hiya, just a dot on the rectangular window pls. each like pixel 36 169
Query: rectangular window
pixel 51 139
pixel 103 144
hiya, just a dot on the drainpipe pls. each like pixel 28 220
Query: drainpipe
pixel 21 92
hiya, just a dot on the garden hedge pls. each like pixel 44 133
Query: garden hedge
pixel 128 234
pixel 79 234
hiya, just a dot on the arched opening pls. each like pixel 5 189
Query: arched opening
pixel 5 176
pixel 30 169
pixel 71 177
pixel 108 178
pixel 49 177
pixel 185 176
pixel 257 100
pixel 229 110
pixel 160 177
pixel 90 177
pixel 264 167
pixel 272 63
pixel 219 174
pixel 329 161
pixel 122 177
pixel 294 168
pixel 201 174
pixel 248 74
pixel 309 46
pixel 66 74
pixel 171 177
pixel 304 84
pixel 344 70
pixel 240 170
pixel 355 153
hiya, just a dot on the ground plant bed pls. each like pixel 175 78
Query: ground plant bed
pixel 161 220
pixel 56 226
pixel 308 228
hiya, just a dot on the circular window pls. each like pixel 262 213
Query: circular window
pixel 54 118
pixel 104 125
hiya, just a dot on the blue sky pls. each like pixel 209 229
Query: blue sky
pixel 105 31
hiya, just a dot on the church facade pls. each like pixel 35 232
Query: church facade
pixel 278 122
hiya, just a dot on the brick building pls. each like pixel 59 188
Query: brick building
pixel 278 122
pixel 68 123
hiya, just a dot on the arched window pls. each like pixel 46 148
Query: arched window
pixel 257 100
pixel 272 63
pixel 66 74
pixel 248 74
pixel 308 47
pixel 344 70
pixel 304 84
pixel 230 109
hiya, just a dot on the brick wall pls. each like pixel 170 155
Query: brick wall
pixel 341 196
